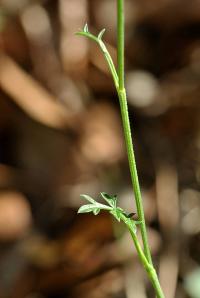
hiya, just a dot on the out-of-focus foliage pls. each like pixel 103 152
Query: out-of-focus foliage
pixel 192 283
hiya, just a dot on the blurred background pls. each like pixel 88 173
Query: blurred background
pixel 61 135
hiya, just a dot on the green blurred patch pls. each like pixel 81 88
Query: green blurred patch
pixel 192 283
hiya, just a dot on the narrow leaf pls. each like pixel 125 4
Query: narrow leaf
pixel 88 198
pixel 116 214
pixel 109 199
pixel 115 201
pixel 102 206
pixel 85 29
pixel 86 208
pixel 131 224
pixel 96 211
pixel 130 215
pixel 95 207
pixel 101 33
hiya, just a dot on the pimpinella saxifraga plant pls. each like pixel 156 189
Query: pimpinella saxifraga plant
pixel 118 76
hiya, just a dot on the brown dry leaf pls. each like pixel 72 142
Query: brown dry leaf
pixel 109 284
pixel 30 95
pixel 15 215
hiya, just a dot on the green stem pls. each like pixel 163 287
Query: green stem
pixel 133 170
pixel 127 130
pixel 148 267
pixel 118 77
pixel 110 63
pixel 105 53
pixel 120 42
pixel 145 257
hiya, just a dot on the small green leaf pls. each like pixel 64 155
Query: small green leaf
pixel 115 201
pixel 129 215
pixel 120 209
pixel 85 29
pixel 102 45
pixel 114 213
pixel 106 197
pixel 88 198
pixel 86 208
pixel 101 33
pixel 111 200
pixel 96 211
pixel 95 207
pixel 131 224
pixel 117 213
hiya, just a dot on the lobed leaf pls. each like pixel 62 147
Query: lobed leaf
pixel 94 207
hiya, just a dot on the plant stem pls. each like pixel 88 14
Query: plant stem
pixel 118 77
pixel 127 129
pixel 105 53
pixel 133 170
pixel 145 256
pixel 120 42
pixel 148 267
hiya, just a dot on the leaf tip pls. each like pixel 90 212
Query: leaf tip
pixel 79 210
pixel 101 33
pixel 85 28
pixel 104 194
pixel 96 211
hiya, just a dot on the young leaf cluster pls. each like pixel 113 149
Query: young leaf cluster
pixel 111 206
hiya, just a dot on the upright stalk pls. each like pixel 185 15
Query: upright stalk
pixel 145 257
pixel 120 43
pixel 127 130
pixel 95 207
pixel 148 267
